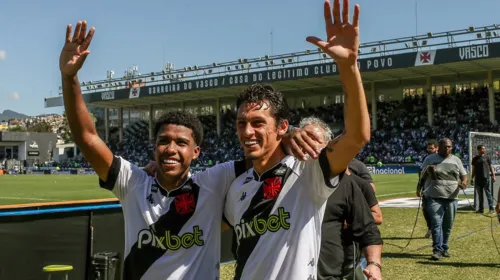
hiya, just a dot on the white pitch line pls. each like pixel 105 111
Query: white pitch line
pixel 389 194
pixel 23 198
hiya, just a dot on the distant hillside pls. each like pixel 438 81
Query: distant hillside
pixel 8 114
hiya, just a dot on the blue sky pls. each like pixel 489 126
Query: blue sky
pixel 150 33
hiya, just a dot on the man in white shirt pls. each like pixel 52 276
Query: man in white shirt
pixel 277 207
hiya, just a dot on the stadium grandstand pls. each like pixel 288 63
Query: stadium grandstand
pixel 418 87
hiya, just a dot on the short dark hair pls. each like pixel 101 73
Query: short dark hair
pixel 261 92
pixel 444 140
pixel 432 142
pixel 479 147
pixel 183 118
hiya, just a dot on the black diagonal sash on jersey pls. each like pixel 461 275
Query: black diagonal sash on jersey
pixel 138 260
pixel 260 207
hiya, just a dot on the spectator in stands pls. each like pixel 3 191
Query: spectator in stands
pixel 481 168
pixel 432 148
pixel 441 172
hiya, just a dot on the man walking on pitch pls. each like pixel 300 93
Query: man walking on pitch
pixel 277 207
pixel 172 220
pixel 441 172
pixel 481 168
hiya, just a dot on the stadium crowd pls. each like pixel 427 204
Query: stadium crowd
pixel 401 136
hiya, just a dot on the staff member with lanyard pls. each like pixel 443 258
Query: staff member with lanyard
pixel 441 173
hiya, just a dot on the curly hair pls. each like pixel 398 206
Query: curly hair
pixel 261 92
pixel 183 118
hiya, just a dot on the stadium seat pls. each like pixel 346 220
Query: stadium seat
pixel 58 268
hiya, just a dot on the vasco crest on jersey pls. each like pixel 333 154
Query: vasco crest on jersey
pixel 185 203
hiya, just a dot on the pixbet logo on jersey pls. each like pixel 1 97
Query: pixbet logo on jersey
pixel 259 226
pixel 171 241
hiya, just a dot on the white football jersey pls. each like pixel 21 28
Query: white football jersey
pixel 277 218
pixel 171 235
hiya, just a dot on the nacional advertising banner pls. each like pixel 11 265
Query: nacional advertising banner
pixel 393 170
pixel 404 60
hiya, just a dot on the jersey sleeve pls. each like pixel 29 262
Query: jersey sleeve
pixel 219 177
pixel 474 159
pixel 425 163
pixel 319 173
pixel 361 221
pixel 122 177
pixel 367 191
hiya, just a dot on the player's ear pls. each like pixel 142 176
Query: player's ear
pixel 282 127
pixel 196 153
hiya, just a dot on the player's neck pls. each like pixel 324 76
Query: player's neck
pixel 171 183
pixel 268 161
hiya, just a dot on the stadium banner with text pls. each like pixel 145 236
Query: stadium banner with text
pixel 403 60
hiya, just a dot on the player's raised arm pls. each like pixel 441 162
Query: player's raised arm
pixel 73 55
pixel 342 45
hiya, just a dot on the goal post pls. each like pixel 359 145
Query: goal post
pixel 492 143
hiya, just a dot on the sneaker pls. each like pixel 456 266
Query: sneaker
pixel 446 254
pixel 492 211
pixel 428 234
pixel 436 255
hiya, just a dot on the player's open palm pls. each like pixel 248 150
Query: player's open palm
pixel 75 49
pixel 342 37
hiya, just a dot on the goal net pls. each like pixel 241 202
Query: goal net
pixel 492 143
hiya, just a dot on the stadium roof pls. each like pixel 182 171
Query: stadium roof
pixel 409 60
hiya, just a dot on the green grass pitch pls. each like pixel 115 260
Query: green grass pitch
pixel 473 252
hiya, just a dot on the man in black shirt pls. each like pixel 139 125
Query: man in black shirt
pixel 481 168
pixel 347 219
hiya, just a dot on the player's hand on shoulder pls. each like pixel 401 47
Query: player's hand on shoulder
pixel 75 49
pixel 150 168
pixel 303 141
